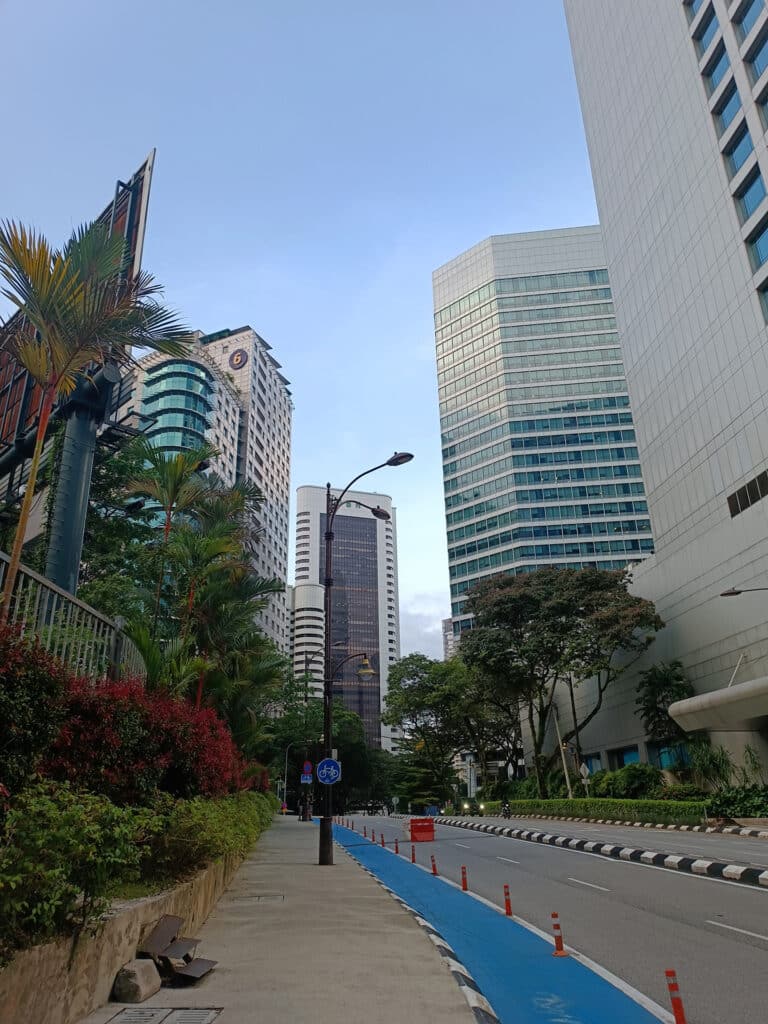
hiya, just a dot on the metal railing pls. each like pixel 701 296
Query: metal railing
pixel 86 641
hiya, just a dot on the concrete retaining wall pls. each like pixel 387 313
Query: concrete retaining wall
pixel 63 981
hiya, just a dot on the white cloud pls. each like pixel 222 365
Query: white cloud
pixel 421 623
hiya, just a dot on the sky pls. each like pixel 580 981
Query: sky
pixel 315 163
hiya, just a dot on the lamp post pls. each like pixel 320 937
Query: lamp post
pixel 737 591
pixel 325 855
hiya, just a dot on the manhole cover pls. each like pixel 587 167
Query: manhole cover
pixel 192 1016
pixel 165 1015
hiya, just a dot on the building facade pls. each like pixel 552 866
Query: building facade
pixel 674 97
pixel 540 465
pixel 366 616
pixel 450 639
pixel 264 454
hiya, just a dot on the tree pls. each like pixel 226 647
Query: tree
pixel 172 480
pixel 660 686
pixel 556 625
pixel 78 310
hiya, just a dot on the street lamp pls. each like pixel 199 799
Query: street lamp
pixel 332 505
pixel 737 591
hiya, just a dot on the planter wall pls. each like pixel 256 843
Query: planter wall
pixel 63 981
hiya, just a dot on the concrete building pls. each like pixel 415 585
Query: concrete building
pixel 540 465
pixel 674 97
pixel 450 639
pixel 366 614
pixel 264 447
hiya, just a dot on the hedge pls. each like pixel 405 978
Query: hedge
pixel 666 812
pixel 63 850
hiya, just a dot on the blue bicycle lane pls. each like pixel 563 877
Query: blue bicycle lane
pixel 513 967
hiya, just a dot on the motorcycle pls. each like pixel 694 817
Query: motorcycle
pixel 506 812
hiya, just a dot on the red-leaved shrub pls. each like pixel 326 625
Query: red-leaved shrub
pixel 120 740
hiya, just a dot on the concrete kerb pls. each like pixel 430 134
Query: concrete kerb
pixel 728 830
pixel 674 862
pixel 478 1004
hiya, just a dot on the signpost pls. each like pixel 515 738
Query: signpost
pixel 306 779
pixel 307 769
pixel 329 771
pixel 585 773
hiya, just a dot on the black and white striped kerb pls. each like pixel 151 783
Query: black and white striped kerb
pixel 674 862
pixel 479 1005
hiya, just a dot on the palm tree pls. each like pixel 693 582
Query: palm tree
pixel 77 310
pixel 171 479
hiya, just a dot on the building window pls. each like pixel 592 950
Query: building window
pixel 693 8
pixel 707 31
pixel 671 756
pixel 746 20
pixel 729 108
pixel 759 61
pixel 751 195
pixel 717 71
pixel 624 756
pixel 758 247
pixel 739 149
pixel 594 762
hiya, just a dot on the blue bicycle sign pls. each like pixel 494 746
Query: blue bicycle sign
pixel 328 771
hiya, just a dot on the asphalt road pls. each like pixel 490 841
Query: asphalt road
pixel 634 920
pixel 710 845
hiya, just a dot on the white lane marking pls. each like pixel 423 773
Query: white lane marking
pixel 591 886
pixel 463 846
pixel 508 860
pixel 742 931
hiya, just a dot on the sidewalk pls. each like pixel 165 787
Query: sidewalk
pixel 297 942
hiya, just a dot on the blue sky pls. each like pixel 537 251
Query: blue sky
pixel 315 163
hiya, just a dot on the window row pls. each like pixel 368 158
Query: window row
pixel 513 285
pixel 748 495
pixel 177 382
pixel 556 532
pixel 598 371
pixel 542 476
pixel 538 426
pixel 521 363
pixel 551 513
pixel 479 354
pixel 570 549
pixel 539 441
pixel 566 458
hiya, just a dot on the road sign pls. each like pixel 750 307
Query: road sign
pixel 395 801
pixel 306 779
pixel 328 771
pixel 307 769
pixel 584 770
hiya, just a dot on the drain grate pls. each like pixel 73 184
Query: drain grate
pixel 166 1015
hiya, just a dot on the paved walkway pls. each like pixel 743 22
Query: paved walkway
pixel 297 942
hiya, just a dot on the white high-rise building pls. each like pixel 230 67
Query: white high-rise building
pixel 366 616
pixel 675 98
pixel 264 447
pixel 540 465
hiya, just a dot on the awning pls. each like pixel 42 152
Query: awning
pixel 738 708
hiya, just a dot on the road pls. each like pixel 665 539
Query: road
pixel 710 845
pixel 636 921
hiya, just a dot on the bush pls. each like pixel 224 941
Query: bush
pixel 59 851
pixel 31 709
pixel 195 832
pixel 632 782
pixel 661 811
pixel 119 740
pixel 745 802
pixel 680 791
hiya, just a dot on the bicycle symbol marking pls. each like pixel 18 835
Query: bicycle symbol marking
pixel 329 771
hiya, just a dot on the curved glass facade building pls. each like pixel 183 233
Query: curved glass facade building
pixel 179 397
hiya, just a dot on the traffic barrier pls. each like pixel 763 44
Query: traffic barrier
pixel 382 839
pixel 434 865
pixel 373 836
pixel 559 949
pixel 678 1010
pixel 365 831
pixel 507 902
pixel 463 878
pixel 413 854
pixel 397 846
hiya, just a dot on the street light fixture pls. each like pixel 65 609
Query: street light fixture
pixel 332 504
pixel 736 591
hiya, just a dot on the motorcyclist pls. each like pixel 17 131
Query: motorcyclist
pixel 506 811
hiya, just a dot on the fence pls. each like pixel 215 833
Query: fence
pixel 85 640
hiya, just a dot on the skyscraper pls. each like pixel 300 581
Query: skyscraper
pixel 366 614
pixel 264 447
pixel 674 102
pixel 539 459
